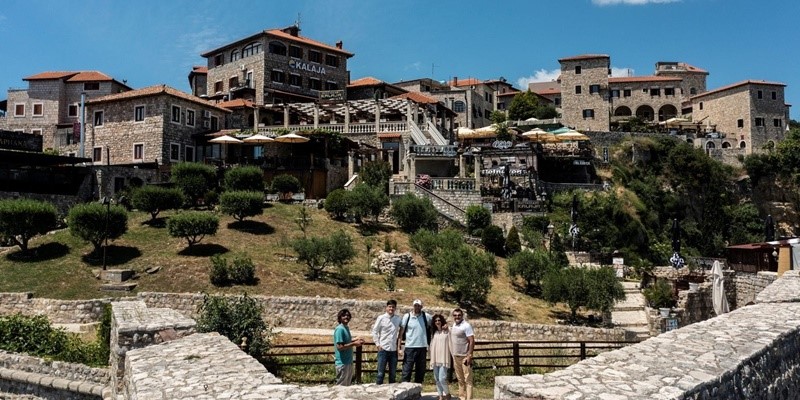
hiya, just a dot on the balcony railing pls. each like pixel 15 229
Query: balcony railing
pixel 352 128
pixel 433 150
pixel 453 184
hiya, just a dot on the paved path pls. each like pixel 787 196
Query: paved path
pixel 629 314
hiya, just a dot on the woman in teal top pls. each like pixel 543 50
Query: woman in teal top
pixel 343 348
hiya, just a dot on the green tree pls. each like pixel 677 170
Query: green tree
pixel 366 200
pixel 94 222
pixel 604 289
pixel 492 239
pixel 22 219
pixel 413 213
pixel 526 104
pixel 239 319
pixel 320 252
pixel 464 272
pixel 531 266
pixel 303 220
pixel 337 203
pixel 192 226
pixel 241 204
pixel 194 180
pixel 285 183
pixel 426 243
pixel 154 199
pixel 377 174
pixel 248 178
pixel 513 245
pixel 478 218
pixel 567 285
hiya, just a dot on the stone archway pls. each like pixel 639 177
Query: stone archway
pixel 742 145
pixel 666 112
pixel 726 145
pixel 710 145
pixel 623 111
pixel 645 112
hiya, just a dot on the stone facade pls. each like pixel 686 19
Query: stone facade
pixel 749 285
pixel 580 107
pixel 57 311
pixel 651 98
pixel 693 79
pixel 33 377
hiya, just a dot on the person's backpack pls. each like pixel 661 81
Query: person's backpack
pixel 428 332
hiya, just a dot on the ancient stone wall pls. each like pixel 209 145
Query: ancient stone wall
pixel 56 369
pixel 57 311
pixel 32 376
pixel 749 285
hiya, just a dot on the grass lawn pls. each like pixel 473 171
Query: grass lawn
pixel 62 265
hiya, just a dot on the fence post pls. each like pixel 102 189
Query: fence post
pixel 583 351
pixel 359 360
pixel 515 354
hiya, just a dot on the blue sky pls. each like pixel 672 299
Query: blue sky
pixel 151 42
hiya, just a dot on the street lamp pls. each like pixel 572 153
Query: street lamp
pixel 550 230
pixel 107 202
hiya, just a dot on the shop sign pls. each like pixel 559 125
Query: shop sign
pixel 20 141
pixel 502 144
pixel 331 95
pixel 500 172
pixel 306 67
pixel 581 162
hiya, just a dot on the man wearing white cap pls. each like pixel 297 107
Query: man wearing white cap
pixel 415 329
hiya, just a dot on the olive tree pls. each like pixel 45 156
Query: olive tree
pixel 154 199
pixel 22 219
pixel 94 222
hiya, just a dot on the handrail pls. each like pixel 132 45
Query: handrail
pixel 416 134
pixel 435 134
pixel 433 150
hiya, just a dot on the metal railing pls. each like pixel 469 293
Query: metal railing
pixel 433 150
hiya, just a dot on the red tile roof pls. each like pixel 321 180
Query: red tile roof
pixel 50 75
pixel 153 91
pixel 302 39
pixel 509 93
pixel 416 97
pixel 583 57
pixel 200 69
pixel 465 82
pixel 90 76
pixel 389 135
pixel 366 81
pixel 692 68
pixel 631 79
pixel 236 103
pixel 548 91
pixel 737 84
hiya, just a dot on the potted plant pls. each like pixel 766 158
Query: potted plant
pixel 660 296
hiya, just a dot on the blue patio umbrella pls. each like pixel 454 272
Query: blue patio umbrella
pixel 573 229
pixel 676 260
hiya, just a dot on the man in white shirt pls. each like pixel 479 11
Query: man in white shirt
pixel 462 343
pixel 384 333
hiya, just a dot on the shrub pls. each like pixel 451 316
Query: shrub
pixel 211 198
pixel 531 266
pixel 478 218
pixel 241 271
pixel 426 243
pixel 241 204
pixel 336 203
pixel 285 184
pixel 237 318
pixel 154 199
pixel 513 245
pixel 492 239
pixel 194 180
pixel 93 221
pixel 219 271
pixel 36 336
pixel 366 200
pixel 249 179
pixel 413 213
pixel 192 226
pixel 567 285
pixel 659 295
pixel 466 272
pixel 604 289
pixel 22 219
pixel 320 252
pixel 376 174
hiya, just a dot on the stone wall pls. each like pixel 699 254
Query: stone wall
pixel 399 264
pixel 55 369
pixel 32 376
pixel 749 285
pixel 57 311
pixel 594 71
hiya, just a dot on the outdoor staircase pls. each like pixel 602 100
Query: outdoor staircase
pixel 445 208
pixel 630 314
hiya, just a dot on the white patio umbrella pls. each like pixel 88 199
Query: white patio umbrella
pixel 718 290
pixel 258 138
pixel 225 140
pixel 291 138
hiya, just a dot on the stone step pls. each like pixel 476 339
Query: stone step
pixel 629 318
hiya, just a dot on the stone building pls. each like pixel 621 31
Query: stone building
pixel 372 88
pixel 198 79
pixel 748 115
pixel 693 79
pixel 50 106
pixel 651 98
pixel 275 66
pixel 584 91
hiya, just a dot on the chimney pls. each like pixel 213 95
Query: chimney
pixel 455 81
pixel 339 45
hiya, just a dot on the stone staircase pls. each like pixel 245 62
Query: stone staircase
pixel 445 208
pixel 630 314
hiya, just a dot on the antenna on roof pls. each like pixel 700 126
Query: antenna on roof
pixel 433 66
pixel 297 22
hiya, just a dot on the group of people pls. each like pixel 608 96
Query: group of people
pixel 415 334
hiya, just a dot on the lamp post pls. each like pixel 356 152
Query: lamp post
pixel 107 202
pixel 550 231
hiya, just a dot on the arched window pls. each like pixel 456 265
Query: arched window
pixel 251 49
pixel 710 145
pixel 622 111
pixel 742 144
pixel 459 106
pixel 645 112
pixel 234 55
pixel 726 145
pixel 277 48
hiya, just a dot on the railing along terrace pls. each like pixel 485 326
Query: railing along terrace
pixel 433 150
pixel 352 128
pixel 453 184
pixel 561 187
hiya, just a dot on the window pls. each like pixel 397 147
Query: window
pixel 234 55
pixel 459 106
pixel 759 121
pixel 626 93
pixel 278 76
pixel 277 48
pixel 615 93
pixel 38 131
pixel 218 87
pixel 98 118
pixel 578 89
pixel 314 84
pixel 577 70
pixel 669 91
pixel 588 114
pixel 251 49
pixel 692 91
pixel 176 115
pixel 774 95
pixel 214 124
pixel 295 80
pixel 655 92
pixel 138 113
pixel 557 101
pixel 189 117
pixel 19 110
pixel 219 59
pixel 594 89
pixel 487 114
pixel 760 95
pixel 314 56
pixel 233 82
pixel 38 109
pixel 97 154
pixel 331 85
pixel 295 52
pixel 249 80
pixel 138 151
pixel 72 110
pixel 189 154
pixel 91 86
pixel 331 60
pixel 701 105
pixel 174 152
pixel 740 123
pixel 777 122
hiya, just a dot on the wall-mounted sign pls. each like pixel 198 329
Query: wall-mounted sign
pixel 500 172
pixel 581 162
pixel 20 141
pixel 332 95
pixel 294 64
pixel 502 144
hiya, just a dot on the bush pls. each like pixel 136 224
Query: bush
pixel 366 200
pixel 478 218
pixel 194 180
pixel 604 289
pixel 320 252
pixel 192 226
pixel 91 222
pixel 22 219
pixel 336 203
pixel 413 213
pixel 659 295
pixel 513 245
pixel 376 174
pixel 567 285
pixel 241 204
pixel 154 199
pixel 426 243
pixel 531 266
pixel 219 271
pixel 237 318
pixel 242 271
pixel 492 239
pixel 36 336
pixel 248 179
pixel 285 184
pixel 466 272
pixel 211 198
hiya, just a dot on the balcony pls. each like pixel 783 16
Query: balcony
pixel 434 150
pixel 357 128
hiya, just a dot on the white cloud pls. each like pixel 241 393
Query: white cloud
pixel 630 2
pixel 621 72
pixel 541 75
pixel 413 66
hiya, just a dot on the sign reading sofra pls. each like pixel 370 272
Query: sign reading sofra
pixel 20 141
pixel 306 67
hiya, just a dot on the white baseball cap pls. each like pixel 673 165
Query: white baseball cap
pixel 417 301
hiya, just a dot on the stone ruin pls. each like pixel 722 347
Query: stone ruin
pixel 401 264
